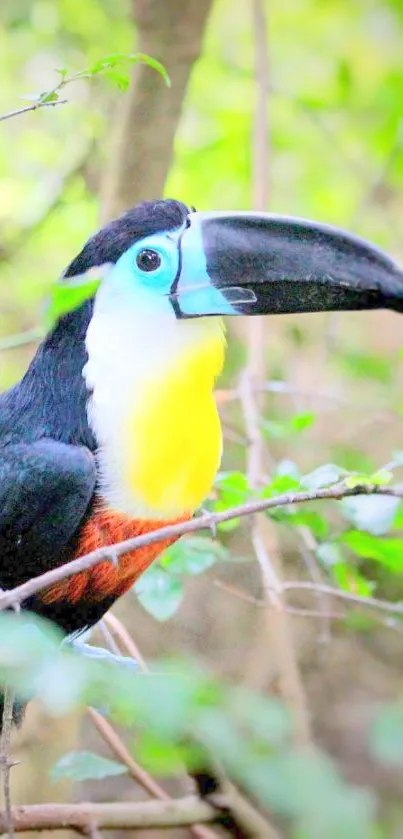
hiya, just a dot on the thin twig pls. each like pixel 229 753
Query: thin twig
pixel 275 646
pixel 118 628
pixel 5 761
pixel 260 604
pixel 207 521
pixel 34 107
pixel 368 602
pixel 120 751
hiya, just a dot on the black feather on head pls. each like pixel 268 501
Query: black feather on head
pixel 109 243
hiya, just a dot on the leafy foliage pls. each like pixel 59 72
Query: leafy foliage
pixel 175 707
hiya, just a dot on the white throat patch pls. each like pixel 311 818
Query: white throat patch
pixel 133 352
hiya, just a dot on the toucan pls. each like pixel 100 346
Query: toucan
pixel 113 431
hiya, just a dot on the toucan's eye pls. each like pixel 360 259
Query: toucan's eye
pixel 148 260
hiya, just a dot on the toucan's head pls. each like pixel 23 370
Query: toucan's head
pixel 165 255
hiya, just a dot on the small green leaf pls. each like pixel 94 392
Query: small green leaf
pixel 373 513
pixel 388 552
pixel 159 593
pixel 329 553
pixel 323 476
pixel 109 62
pixel 67 296
pixel 311 519
pixel 274 429
pixel 85 766
pixel 233 488
pixel 152 62
pixel 121 80
pixel 302 421
pixel 193 555
pixel 373 366
pixel 356 481
pixel 280 485
pixel 381 478
pixel 49 96
pixel 349 579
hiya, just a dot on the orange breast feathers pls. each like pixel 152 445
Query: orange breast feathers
pixel 106 527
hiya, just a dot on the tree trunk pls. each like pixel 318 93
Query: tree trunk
pixel 171 31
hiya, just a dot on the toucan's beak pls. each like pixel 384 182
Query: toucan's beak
pixel 257 263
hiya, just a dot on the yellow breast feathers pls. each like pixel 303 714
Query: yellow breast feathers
pixel 173 434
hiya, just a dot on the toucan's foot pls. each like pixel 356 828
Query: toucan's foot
pixel 100 654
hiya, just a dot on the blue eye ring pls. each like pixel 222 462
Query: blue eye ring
pixel 148 260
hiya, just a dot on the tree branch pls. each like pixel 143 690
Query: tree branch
pixel 5 761
pixel 357 599
pixel 83 817
pixel 208 521
pixel 34 107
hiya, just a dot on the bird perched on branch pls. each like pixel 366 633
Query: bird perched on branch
pixel 113 430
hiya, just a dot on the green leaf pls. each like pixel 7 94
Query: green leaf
pixel 289 468
pixel 356 481
pixel 67 296
pixel 233 487
pixel 388 552
pixel 156 65
pixel 349 579
pixel 303 517
pixel 108 62
pixel 329 553
pixel 193 555
pixel 373 513
pixel 275 429
pixel 121 80
pixel 159 593
pixel 159 755
pixel 386 734
pixel 302 421
pixel 323 476
pixel 280 485
pixel 368 365
pixel 381 478
pixel 85 766
pixel 49 96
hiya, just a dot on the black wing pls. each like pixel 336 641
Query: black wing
pixel 45 490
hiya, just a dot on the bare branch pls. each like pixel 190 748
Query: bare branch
pixel 205 522
pixel 34 107
pixel 367 602
pixel 5 761
pixel 85 817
